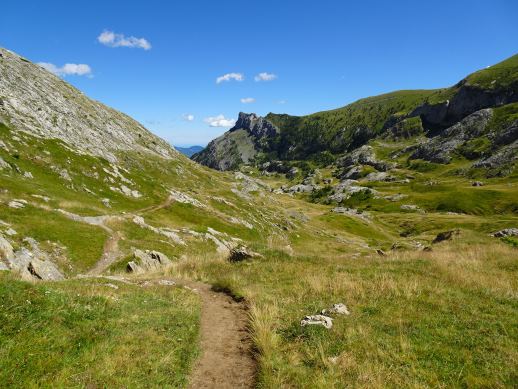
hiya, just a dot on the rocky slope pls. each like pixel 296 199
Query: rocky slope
pixel 439 125
pixel 36 101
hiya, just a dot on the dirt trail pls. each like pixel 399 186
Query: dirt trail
pixel 110 254
pixel 226 359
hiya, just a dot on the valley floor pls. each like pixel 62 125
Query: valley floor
pixel 441 318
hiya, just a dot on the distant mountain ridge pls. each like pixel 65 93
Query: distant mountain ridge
pixel 416 115
pixel 189 151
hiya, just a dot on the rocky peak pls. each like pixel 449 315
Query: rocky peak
pixel 255 125
pixel 36 101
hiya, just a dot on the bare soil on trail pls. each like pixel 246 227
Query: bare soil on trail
pixel 110 254
pixel 226 359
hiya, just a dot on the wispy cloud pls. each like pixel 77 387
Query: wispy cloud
pixel 188 117
pixel 229 77
pixel 219 121
pixel 112 39
pixel 281 102
pixel 68 69
pixel 265 77
pixel 248 100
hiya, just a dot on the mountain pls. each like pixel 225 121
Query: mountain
pixel 189 151
pixel 117 252
pixel 423 118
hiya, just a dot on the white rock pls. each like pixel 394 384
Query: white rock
pixel 319 320
pixel 336 309
pixel 16 204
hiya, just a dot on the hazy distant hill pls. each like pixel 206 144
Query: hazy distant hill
pixel 189 151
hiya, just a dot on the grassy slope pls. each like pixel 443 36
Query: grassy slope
pixel 84 333
pixel 312 258
pixel 335 130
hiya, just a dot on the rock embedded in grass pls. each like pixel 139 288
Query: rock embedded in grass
pixel 506 233
pixel 319 320
pixel 336 309
pixel 445 235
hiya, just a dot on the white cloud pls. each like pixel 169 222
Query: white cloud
pixel 265 77
pixel 67 69
pixel 248 100
pixel 230 76
pixel 112 39
pixel 219 121
pixel 188 117
pixel 281 102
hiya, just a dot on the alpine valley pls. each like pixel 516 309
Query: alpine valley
pixel 374 245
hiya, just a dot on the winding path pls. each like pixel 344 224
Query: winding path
pixel 226 359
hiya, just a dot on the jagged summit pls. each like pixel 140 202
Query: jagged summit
pixel 238 145
pixel 38 102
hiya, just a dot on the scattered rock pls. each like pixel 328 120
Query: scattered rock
pixel 506 232
pixel 185 199
pixel 110 285
pixel 44 198
pixel 6 250
pixel 106 202
pixel 10 232
pixel 477 183
pixel 381 253
pixel 147 261
pixel 240 253
pixel 166 283
pixel 17 204
pixel 411 207
pixel 336 309
pixel 352 212
pixel 445 235
pixel 3 267
pixel 3 164
pixel 395 197
pixel 28 175
pixel 379 177
pixel 320 320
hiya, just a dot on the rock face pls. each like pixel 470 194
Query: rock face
pixel 36 101
pixel 439 148
pixel 466 100
pixel 239 145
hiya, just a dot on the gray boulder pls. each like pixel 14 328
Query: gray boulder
pixel 44 270
pixel 147 261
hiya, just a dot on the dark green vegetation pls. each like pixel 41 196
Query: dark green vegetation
pixel 86 333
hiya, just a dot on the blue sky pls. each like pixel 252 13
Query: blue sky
pixel 162 62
